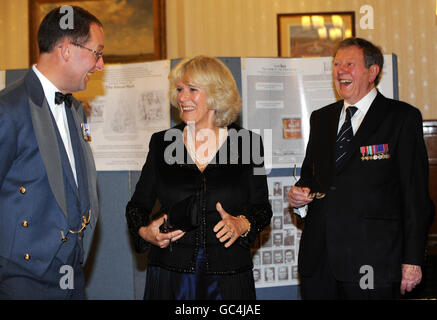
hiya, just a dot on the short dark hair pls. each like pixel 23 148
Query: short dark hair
pixel 372 54
pixel 50 31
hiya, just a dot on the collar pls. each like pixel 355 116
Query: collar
pixel 48 87
pixel 364 104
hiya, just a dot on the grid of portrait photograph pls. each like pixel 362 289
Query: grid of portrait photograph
pixel 275 252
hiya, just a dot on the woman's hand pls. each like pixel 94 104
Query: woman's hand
pixel 230 227
pixel 151 233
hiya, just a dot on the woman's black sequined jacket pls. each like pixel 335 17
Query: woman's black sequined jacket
pixel 235 178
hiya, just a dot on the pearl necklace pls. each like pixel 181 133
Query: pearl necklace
pixel 200 160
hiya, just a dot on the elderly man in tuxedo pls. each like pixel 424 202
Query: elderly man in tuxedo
pixel 48 189
pixel 364 183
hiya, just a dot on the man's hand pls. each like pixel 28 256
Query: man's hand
pixel 411 277
pixel 298 196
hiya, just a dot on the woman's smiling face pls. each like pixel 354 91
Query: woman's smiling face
pixel 192 101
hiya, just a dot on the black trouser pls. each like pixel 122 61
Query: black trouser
pixel 322 285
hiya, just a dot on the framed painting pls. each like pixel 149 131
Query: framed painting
pixel 313 34
pixel 134 29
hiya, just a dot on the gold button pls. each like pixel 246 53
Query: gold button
pixel 27 256
pixel 22 190
pixel 25 224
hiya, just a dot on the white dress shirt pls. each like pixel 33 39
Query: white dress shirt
pixel 362 107
pixel 59 114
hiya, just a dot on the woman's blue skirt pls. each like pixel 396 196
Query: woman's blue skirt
pixel 162 284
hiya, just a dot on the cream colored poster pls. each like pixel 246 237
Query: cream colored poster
pixel 272 100
pixel 132 106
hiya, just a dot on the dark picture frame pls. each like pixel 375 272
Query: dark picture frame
pixel 144 36
pixel 313 34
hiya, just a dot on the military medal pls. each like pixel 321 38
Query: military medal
pixel 86 132
pixel 374 152
pixel 363 152
pixel 369 153
pixel 380 151
pixel 386 154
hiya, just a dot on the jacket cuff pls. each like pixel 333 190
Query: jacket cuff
pixel 259 217
pixel 137 218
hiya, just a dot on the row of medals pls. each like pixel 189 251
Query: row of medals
pixel 376 156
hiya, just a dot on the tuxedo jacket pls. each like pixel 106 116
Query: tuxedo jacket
pixel 377 211
pixel 35 211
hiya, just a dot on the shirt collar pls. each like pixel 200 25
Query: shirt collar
pixel 364 104
pixel 48 87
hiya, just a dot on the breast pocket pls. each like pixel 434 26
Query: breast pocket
pixel 377 172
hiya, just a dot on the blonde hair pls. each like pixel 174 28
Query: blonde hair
pixel 215 78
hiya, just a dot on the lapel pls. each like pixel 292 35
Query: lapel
pixel 374 116
pixel 331 121
pixel 46 137
pixel 91 175
pixel 66 163
pixel 79 157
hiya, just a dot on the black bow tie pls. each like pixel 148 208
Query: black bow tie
pixel 66 98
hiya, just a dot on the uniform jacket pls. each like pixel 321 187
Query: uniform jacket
pixel 228 179
pixel 34 211
pixel 376 212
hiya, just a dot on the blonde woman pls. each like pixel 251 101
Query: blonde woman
pixel 209 158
